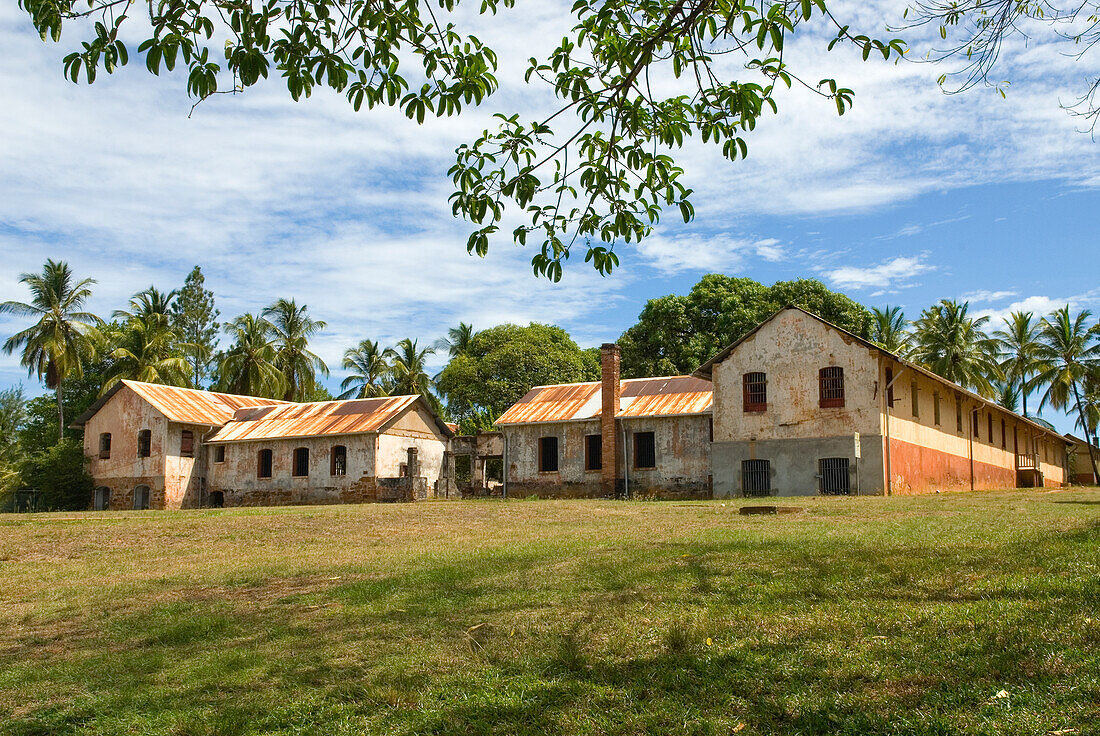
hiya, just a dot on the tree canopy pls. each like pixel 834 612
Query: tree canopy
pixel 675 334
pixel 504 362
pixel 632 80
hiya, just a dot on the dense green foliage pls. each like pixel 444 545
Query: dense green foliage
pixel 504 362
pixel 953 615
pixel 195 319
pixel 632 81
pixel 60 474
pixel 676 334
pixel 951 343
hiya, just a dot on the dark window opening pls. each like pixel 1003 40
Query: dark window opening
pixel 548 454
pixel 339 462
pixel 141 498
pixel 890 387
pixel 645 450
pixel 217 499
pixel 301 462
pixel 756 391
pixel 593 452
pixel 830 387
pixel 835 480
pixel 936 407
pixel 1004 440
pixel 145 443
pixel 263 467
pixel 989 428
pixel 463 469
pixel 915 398
pixel 756 477
pixel 710 428
pixel 105 446
pixel 977 434
pixel 219 453
pixel 187 443
pixel 958 414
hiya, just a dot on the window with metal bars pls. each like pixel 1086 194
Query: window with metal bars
pixel 645 450
pixel 301 462
pixel 145 443
pixel 263 464
pixel 338 465
pixel 593 452
pixel 830 387
pixel 756 477
pixel 105 446
pixel 833 472
pixel 756 391
pixel 187 443
pixel 219 453
pixel 548 454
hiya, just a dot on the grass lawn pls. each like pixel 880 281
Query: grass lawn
pixel 952 614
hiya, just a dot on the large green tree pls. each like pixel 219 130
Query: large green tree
pixel 890 330
pixel 677 333
pixel 146 348
pixel 1070 357
pixel 951 343
pixel 195 319
pixel 64 337
pixel 291 329
pixel 249 366
pixel 632 79
pixel 1020 344
pixel 370 372
pixel 505 362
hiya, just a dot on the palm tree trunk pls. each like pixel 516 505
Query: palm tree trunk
pixel 1023 392
pixel 1085 426
pixel 60 413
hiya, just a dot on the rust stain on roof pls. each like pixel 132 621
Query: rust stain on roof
pixel 318 418
pixel 638 397
pixel 191 406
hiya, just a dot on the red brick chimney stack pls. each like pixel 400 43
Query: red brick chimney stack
pixel 610 446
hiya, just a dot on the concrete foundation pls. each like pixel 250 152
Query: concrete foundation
pixel 794 464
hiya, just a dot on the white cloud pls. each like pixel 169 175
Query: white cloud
pixel 983 296
pixel 722 253
pixel 894 273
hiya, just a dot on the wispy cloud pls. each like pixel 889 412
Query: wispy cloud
pixel 895 273
pixel 985 296
pixel 722 253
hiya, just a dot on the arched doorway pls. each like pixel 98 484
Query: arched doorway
pixel 102 498
pixel 141 498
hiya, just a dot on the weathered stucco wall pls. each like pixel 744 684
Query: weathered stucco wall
pixel 930 452
pixel 184 477
pixel 791 349
pixel 682 470
pixel 413 429
pixel 123 416
pixel 794 464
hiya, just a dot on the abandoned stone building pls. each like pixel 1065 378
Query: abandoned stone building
pixel 161 447
pixel 640 438
pixel 803 407
pixel 144 443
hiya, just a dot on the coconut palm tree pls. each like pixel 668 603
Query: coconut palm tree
pixel 1008 394
pixel 145 303
pixel 457 341
pixel 889 330
pixel 147 349
pixel 249 367
pixel 291 329
pixel 409 374
pixel 64 338
pixel 1070 354
pixel 950 343
pixel 371 372
pixel 1019 342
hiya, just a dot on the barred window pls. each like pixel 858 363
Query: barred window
pixel 187 443
pixel 756 391
pixel 263 464
pixel 145 442
pixel 830 384
pixel 593 452
pixel 301 462
pixel 548 454
pixel 105 446
pixel 339 462
pixel 756 477
pixel 645 450
pixel 219 454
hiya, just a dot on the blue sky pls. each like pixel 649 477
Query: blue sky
pixel 912 197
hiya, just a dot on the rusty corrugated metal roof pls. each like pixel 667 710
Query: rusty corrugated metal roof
pixel 638 397
pixel 356 416
pixel 191 406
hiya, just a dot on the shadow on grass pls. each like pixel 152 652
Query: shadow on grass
pixel 827 638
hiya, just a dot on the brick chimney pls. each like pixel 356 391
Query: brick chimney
pixel 610 446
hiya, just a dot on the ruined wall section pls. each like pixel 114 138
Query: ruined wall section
pixel 124 415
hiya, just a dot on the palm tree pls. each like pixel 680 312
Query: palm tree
pixel 1070 355
pixel 1008 395
pixel 457 342
pixel 147 349
pixel 64 338
pixel 370 371
pixel 291 329
pixel 1019 342
pixel 249 367
pixel 409 376
pixel 146 303
pixel 889 330
pixel 952 344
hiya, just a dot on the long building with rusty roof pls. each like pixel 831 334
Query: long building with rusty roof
pixel 642 437
pixel 163 447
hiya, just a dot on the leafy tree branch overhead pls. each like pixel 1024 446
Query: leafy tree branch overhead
pixel 633 80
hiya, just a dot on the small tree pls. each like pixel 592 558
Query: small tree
pixel 196 321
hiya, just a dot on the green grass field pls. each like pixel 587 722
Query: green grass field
pixel 953 614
